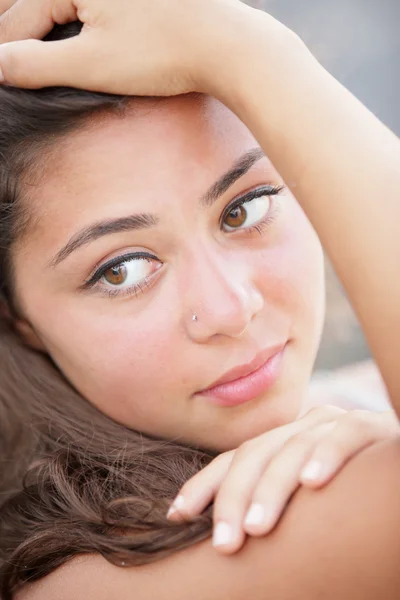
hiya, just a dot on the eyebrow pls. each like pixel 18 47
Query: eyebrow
pixel 146 220
pixel 98 230
pixel 240 168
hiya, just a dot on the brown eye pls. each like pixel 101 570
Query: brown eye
pixel 116 275
pixel 251 212
pixel 236 217
pixel 130 273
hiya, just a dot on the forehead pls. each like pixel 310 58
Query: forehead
pixel 159 148
pixel 173 135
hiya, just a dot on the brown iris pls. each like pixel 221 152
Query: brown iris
pixel 236 217
pixel 116 275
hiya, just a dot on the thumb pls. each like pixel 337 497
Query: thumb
pixel 35 64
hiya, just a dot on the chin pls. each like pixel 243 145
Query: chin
pixel 248 426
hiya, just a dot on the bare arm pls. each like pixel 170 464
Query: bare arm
pixel 341 542
pixel 344 167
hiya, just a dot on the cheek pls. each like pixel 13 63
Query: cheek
pixel 122 365
pixel 291 273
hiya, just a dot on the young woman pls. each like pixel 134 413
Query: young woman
pixel 154 256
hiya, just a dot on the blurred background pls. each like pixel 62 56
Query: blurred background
pixel 358 41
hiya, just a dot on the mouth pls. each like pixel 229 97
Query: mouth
pixel 245 382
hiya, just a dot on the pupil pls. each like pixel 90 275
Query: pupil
pixel 116 275
pixel 236 217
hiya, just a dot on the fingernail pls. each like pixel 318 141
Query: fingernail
pixel 255 515
pixel 223 534
pixel 260 514
pixel 177 505
pixel 312 471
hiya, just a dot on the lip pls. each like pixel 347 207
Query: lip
pixel 246 382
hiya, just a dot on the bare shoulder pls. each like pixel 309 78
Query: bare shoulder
pixel 340 542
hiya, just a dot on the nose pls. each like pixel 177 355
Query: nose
pixel 220 299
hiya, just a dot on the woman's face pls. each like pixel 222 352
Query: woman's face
pixel 163 254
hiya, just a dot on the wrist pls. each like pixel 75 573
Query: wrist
pixel 253 48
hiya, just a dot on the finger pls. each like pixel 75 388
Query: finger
pixel 34 18
pixel 5 5
pixel 276 438
pixel 272 441
pixel 234 496
pixel 234 490
pixel 200 490
pixel 352 433
pixel 320 414
pixel 26 20
pixel 34 64
pixel 280 481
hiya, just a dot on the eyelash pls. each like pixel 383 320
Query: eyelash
pixel 139 287
pixel 267 190
pixel 146 283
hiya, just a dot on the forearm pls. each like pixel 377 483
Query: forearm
pixel 344 168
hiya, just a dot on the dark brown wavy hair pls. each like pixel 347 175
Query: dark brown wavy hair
pixel 72 481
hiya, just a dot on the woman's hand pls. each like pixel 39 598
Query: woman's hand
pixel 250 486
pixel 136 47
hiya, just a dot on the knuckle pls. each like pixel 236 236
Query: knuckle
pixel 333 444
pixel 229 502
pixel 349 430
pixel 221 462
pixel 362 420
pixel 222 459
pixel 61 12
pixel 274 480
pixel 214 467
pixel 324 413
pixel 245 451
pixel 227 456
pixel 312 412
pixel 10 64
pixel 223 511
pixel 189 488
pixel 336 448
pixel 358 413
pixel 332 412
pixel 13 68
pixel 299 440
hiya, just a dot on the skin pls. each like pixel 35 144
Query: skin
pixel 354 553
pixel 250 291
pixel 337 543
pixel 140 357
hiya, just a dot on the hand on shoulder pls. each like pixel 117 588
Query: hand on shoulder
pixel 340 542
